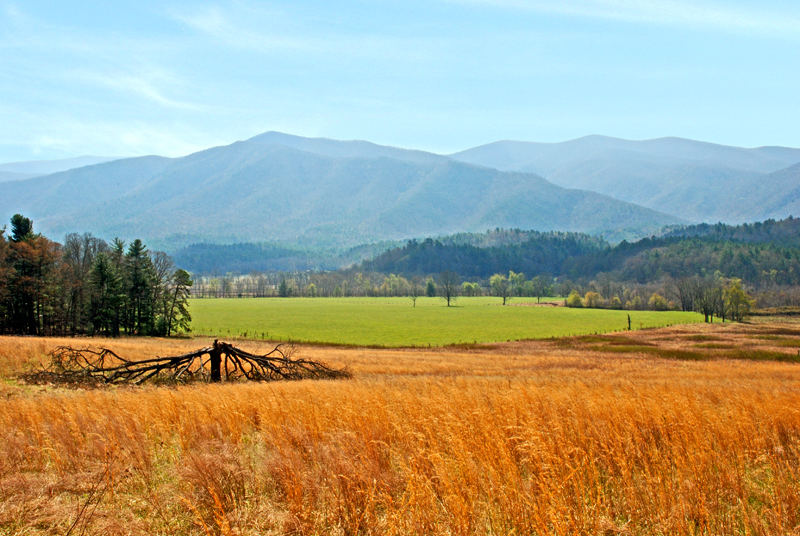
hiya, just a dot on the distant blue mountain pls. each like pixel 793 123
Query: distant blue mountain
pixel 689 179
pixel 310 192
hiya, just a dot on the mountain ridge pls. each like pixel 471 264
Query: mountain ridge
pixel 698 181
pixel 345 194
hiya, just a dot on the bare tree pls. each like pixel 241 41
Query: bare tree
pixel 78 255
pixel 163 270
pixel 688 290
pixel 414 290
pixel 177 313
pixel 708 298
pixel 103 366
pixel 541 286
pixel 448 286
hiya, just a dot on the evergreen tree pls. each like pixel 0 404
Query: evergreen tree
pixel 21 228
pixel 430 288
pixel 87 287
pixel 107 297
pixel 139 285
pixel 5 276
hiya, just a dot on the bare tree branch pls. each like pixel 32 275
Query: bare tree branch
pixel 87 366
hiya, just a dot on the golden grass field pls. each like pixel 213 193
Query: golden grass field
pixel 654 432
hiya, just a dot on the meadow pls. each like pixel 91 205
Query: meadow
pixel 393 322
pixel 566 436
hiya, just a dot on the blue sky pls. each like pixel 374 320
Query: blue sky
pixel 129 78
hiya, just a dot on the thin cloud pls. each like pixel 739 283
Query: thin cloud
pixel 256 29
pixel 663 12
pixel 214 23
pixel 143 77
pixel 59 134
pixel 124 138
pixel 137 85
pixel 11 12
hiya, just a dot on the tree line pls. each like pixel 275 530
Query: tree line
pixel 652 273
pixel 571 255
pixel 534 253
pixel 712 296
pixel 364 284
pixel 87 286
pixel 725 298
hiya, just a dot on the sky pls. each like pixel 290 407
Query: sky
pixel 128 78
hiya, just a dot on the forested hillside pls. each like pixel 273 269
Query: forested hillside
pixel 310 193
pixel 777 232
pixel 650 260
pixel 480 255
pixel 243 258
pixel 762 254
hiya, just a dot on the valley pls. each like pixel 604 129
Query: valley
pixel 620 432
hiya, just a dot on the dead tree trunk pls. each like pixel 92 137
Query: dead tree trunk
pixel 216 363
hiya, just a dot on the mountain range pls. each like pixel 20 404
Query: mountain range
pixel 321 193
pixel 315 192
pixel 692 180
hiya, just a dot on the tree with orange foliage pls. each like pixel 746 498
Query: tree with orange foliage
pixel 32 306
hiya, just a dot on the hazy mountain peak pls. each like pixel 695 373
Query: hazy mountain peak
pixel 595 138
pixel 312 191
pixel 342 148
pixel 692 179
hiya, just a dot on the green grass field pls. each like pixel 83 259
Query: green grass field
pixel 394 322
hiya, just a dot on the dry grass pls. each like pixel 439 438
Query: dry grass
pixel 550 437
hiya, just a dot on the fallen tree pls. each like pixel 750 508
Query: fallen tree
pixel 102 366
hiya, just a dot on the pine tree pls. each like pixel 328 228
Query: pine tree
pixel 430 288
pixel 139 286
pixel 21 228
pixel 105 287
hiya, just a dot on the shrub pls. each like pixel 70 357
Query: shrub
pixel 593 300
pixel 574 299
pixel 657 302
pixel 635 304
